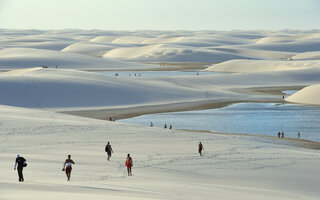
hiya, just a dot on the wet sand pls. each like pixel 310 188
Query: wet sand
pixel 160 67
pixel 134 111
pixel 275 90
pixel 274 139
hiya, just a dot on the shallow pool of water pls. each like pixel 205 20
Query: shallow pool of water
pixel 290 92
pixel 155 73
pixel 253 118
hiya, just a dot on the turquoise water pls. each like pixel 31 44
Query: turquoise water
pixel 253 118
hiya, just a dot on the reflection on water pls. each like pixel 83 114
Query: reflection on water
pixel 290 92
pixel 253 118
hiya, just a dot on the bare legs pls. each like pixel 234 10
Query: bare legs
pixel 68 172
pixel 129 171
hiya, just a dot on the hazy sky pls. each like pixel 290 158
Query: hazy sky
pixel 160 14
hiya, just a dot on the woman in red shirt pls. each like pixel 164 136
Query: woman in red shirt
pixel 129 164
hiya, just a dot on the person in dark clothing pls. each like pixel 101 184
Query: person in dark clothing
pixel 21 162
pixel 200 148
pixel 109 150
pixel 279 134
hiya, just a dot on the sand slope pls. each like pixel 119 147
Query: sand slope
pixel 166 162
pixel 308 95
pixel 169 53
pixel 250 66
pixel 61 88
pixel 158 46
pixel 312 55
pixel 16 58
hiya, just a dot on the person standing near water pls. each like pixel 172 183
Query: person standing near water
pixel 21 162
pixel 67 166
pixel 200 148
pixel 109 150
pixel 298 134
pixel 282 134
pixel 129 164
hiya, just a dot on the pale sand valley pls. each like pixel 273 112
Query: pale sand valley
pixel 55 100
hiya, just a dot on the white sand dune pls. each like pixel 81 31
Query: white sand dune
pixel 56 88
pixel 59 88
pixel 128 40
pixel 163 39
pixel 166 163
pixel 106 39
pixel 285 38
pixel 143 39
pixel 169 53
pixel 15 58
pixel 256 54
pixel 295 46
pixel 37 40
pixel 89 48
pixel 162 46
pixel 312 55
pixel 308 95
pixel 52 45
pixel 131 52
pixel 249 66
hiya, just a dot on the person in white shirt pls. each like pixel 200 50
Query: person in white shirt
pixel 67 166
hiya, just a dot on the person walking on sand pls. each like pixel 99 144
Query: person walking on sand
pixel 109 150
pixel 279 134
pixel 170 127
pixel 200 148
pixel 21 162
pixel 129 164
pixel 298 134
pixel 282 134
pixel 165 126
pixel 151 124
pixel 67 166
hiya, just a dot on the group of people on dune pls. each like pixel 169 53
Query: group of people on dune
pixel 67 165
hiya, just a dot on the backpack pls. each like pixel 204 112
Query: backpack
pixel 23 161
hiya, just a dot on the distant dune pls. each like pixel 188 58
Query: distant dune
pixel 249 66
pixel 64 88
pixel 311 55
pixel 16 58
pixel 244 66
pixel 169 53
pixel 69 48
pixel 308 95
